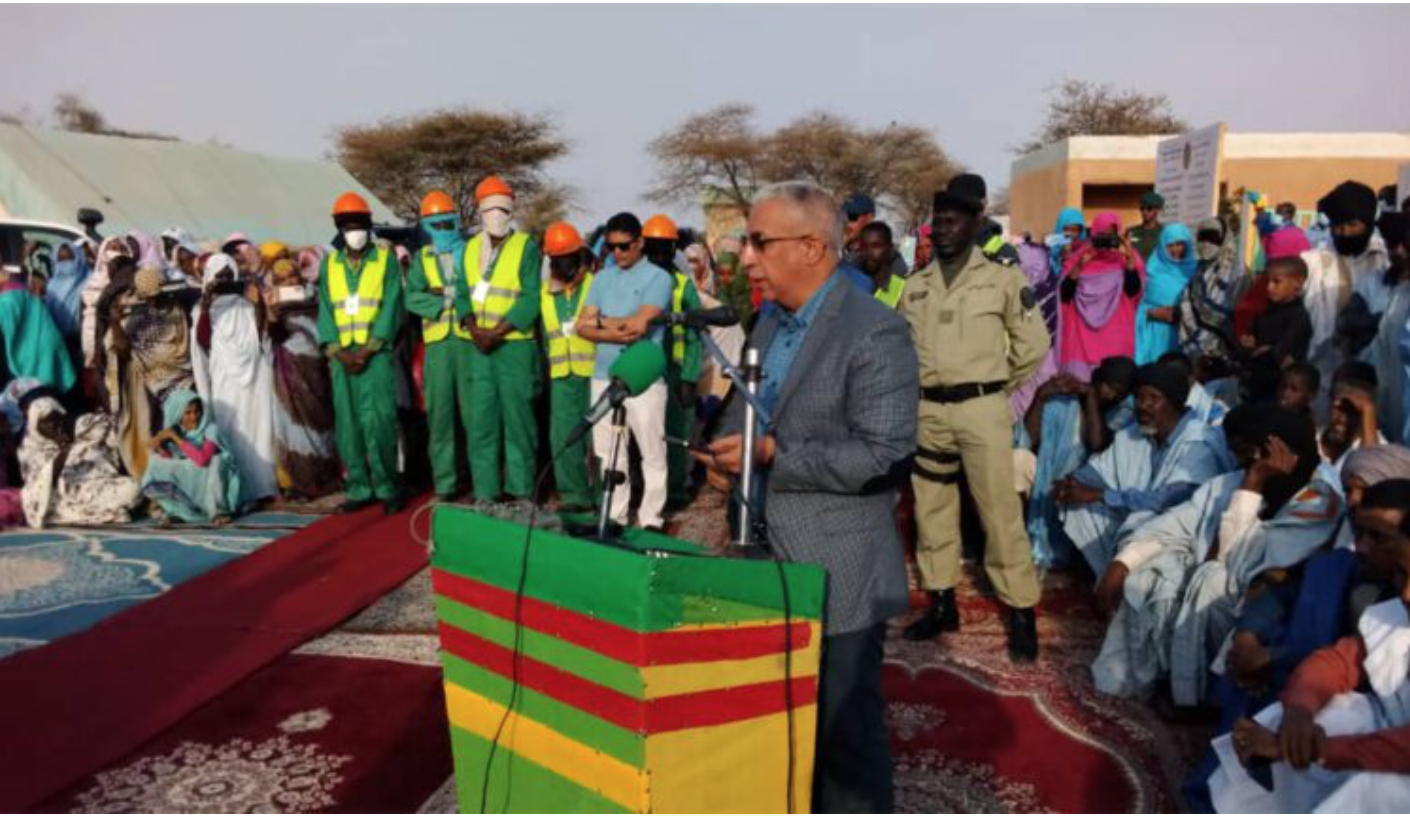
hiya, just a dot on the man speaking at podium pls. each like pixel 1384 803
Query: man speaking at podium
pixel 840 381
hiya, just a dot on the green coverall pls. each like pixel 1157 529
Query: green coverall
pixel 503 386
pixel 445 373
pixel 568 400
pixel 365 404
pixel 680 414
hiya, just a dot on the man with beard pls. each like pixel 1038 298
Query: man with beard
pixel 1151 466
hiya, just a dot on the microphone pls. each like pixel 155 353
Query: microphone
pixel 721 316
pixel 634 371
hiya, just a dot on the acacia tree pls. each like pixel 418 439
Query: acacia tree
pixel 1082 108
pixel 401 159
pixel 721 153
pixel 714 153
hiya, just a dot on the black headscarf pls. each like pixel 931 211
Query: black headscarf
pixel 1350 202
pixel 1169 380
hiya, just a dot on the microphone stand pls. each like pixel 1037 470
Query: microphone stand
pixel 746 385
pixel 611 476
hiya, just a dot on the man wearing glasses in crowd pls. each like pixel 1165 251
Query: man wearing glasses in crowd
pixel 624 298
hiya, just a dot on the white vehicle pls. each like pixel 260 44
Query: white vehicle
pixel 31 245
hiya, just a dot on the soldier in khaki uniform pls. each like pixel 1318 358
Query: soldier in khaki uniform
pixel 978 335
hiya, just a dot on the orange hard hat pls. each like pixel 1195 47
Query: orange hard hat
pixel 561 238
pixel 660 227
pixel 492 186
pixel 437 203
pixel 350 203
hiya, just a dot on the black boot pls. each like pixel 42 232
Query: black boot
pixel 941 617
pixel 1023 635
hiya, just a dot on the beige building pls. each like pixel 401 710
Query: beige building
pixel 1099 173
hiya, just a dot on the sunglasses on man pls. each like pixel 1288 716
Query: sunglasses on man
pixel 620 246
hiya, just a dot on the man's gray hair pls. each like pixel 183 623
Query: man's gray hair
pixel 817 205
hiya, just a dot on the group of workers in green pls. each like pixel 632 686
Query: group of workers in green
pixel 489 323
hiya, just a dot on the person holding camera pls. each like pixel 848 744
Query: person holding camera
pixel 1100 293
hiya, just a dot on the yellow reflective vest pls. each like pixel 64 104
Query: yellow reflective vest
pixel 354 315
pixel 440 328
pixel 890 295
pixel 678 305
pixel 491 300
pixel 568 354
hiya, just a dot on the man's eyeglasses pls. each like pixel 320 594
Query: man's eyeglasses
pixel 852 217
pixel 760 242
pixel 445 224
pixel 620 246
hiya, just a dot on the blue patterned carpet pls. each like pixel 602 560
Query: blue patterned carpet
pixel 57 582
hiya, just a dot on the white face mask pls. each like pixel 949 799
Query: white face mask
pixel 496 222
pixel 355 239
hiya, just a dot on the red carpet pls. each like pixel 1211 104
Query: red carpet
pixel 306 734
pixel 974 733
pixel 76 705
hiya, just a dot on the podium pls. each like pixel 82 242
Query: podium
pixel 652 676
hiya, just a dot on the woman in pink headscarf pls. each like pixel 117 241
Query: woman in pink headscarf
pixel 1100 292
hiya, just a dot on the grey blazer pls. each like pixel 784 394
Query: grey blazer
pixel 845 425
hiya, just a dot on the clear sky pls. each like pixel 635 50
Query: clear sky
pixel 280 79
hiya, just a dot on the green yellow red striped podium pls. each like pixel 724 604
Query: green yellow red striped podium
pixel 651 677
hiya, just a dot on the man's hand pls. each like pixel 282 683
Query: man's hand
pixel 1300 739
pixel 1277 460
pixel 726 455
pixel 1109 589
pixel 1069 492
pixel 1253 740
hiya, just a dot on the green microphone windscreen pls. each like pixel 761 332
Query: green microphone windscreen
pixel 639 366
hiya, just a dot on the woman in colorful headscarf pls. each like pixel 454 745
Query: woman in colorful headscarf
pixel 72 473
pixel 305 453
pixel 146 334
pixel 1168 272
pixel 1206 307
pixel 192 476
pixel 31 342
pixel 1101 286
pixel 231 359
pixel 1069 229
pixel 310 260
pixel 63 295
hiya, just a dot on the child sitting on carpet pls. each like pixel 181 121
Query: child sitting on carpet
pixel 192 476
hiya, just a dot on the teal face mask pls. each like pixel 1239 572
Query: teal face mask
pixel 444 231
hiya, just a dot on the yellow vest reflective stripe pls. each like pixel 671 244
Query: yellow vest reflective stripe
pixel 504 285
pixel 568 354
pixel 678 305
pixel 891 295
pixel 354 328
pixel 993 245
pixel 438 329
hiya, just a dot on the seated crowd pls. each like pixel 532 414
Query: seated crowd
pixel 1219 444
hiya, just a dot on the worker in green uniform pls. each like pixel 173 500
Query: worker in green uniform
pixel 570 360
pixel 359 314
pixel 497 297
pixel 430 295
pixel 682 359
